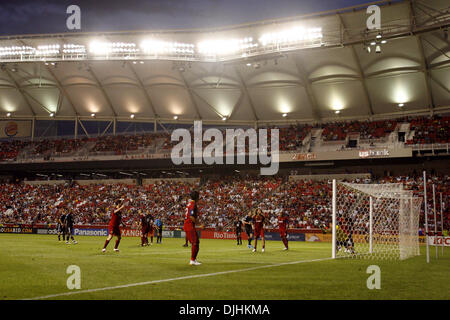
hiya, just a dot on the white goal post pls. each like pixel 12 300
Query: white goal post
pixel 374 221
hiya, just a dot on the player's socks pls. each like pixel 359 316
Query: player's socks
pixel 106 244
pixel 117 244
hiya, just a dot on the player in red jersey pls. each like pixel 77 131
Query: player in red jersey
pixel 150 222
pixel 114 225
pixel 258 227
pixel 190 218
pixel 283 223
pixel 143 224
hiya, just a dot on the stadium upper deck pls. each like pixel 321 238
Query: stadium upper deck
pixel 308 68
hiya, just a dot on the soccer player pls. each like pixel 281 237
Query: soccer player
pixel 149 218
pixel 190 218
pixel 238 228
pixel 60 227
pixel 143 223
pixel 69 227
pixel 159 228
pixel 283 223
pixel 248 228
pixel 258 227
pixel 114 225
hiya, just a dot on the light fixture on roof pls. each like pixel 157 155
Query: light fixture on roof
pixel 383 41
pixel 8 114
pixel 379 36
pixel 93 115
pixel 337 111
pixel 224 118
pixel 378 49
pixel 132 116
pixel 373 43
pixel 401 105
pixel 141 62
pixel 134 62
pixel 52 114
pixel 285 115
pixel 248 64
pixel 369 49
pixel 175 117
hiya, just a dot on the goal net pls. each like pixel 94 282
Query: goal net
pixel 375 221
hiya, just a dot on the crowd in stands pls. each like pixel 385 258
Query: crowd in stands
pixel 307 202
pixel 430 130
pixel 426 130
pixel 367 129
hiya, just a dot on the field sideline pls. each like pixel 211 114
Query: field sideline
pixel 34 266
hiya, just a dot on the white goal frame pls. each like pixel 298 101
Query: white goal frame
pixel 374 221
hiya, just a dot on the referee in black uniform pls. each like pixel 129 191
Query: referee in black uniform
pixel 238 228
pixel 248 221
pixel 69 227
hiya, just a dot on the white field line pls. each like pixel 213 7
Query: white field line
pixel 174 279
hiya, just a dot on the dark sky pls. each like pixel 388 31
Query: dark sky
pixel 49 16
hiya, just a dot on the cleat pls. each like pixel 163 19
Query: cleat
pixel 103 250
pixel 74 242
pixel 285 249
pixel 254 250
pixel 67 242
pixel 263 250
pixel 116 250
pixel 248 246
pixel 194 263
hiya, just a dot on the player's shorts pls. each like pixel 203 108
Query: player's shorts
pixel 248 231
pixel 238 231
pixel 259 233
pixel 283 233
pixel 69 230
pixel 115 231
pixel 150 229
pixel 192 236
pixel 144 231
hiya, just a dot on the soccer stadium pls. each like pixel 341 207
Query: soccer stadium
pixel 300 158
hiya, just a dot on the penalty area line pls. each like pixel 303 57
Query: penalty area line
pixel 174 279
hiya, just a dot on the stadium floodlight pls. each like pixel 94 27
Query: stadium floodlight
pixel 52 114
pixel 378 49
pixel 104 48
pixel 337 111
pixel 17 51
pixel 166 47
pixel 224 118
pixel 383 41
pixel 291 36
pixel 379 36
pixel 93 115
pixel 8 114
pixel 132 116
pixel 175 117
pixel 223 47
pixel 401 105
pixel 285 115
pixel 52 49
pixel 74 49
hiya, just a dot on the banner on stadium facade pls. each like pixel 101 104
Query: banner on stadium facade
pixel 18 229
pixel 439 241
pixel 208 234
pixel 15 129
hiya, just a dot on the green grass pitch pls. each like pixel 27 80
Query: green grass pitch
pixel 34 266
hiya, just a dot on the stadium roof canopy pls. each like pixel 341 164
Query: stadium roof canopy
pixel 307 68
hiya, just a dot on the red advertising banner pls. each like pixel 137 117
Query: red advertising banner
pixel 206 234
